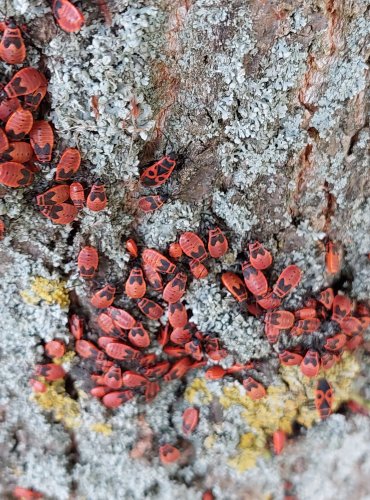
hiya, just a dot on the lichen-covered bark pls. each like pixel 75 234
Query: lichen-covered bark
pixel 267 104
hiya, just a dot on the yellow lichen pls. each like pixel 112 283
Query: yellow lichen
pixel 251 447
pixel 102 428
pixel 198 392
pixel 210 441
pixel 47 290
pixel 55 399
pixel 67 358
pixel 292 401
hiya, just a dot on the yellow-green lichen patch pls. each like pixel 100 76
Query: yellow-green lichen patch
pixel 102 428
pixel 251 447
pixel 286 403
pixel 198 393
pixel 47 290
pixel 57 400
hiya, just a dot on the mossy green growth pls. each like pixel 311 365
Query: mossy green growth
pixel 51 291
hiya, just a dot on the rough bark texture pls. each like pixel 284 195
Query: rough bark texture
pixel 267 103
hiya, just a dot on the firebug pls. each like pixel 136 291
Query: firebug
pixel 88 261
pixel 217 243
pixel 323 398
pixel 190 419
pixel 157 174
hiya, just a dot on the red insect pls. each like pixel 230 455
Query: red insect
pixel 217 243
pixel 175 289
pixel 55 349
pixel 42 140
pixel 282 320
pixel 333 258
pixel 163 336
pixel 354 342
pixel 194 349
pixel 153 278
pixel 193 246
pixel 53 196
pixel 208 495
pixel 287 281
pixel 198 270
pixel 26 493
pixel 97 199
pixel 104 341
pixel 255 280
pixel 157 174
pixel 19 124
pixel 86 349
pixel 327 360
pixel 61 213
pixel 288 358
pixel 2 230
pixel 4 142
pixel 106 324
pixel 326 298
pixel 215 372
pixel 122 352
pixel 336 342
pixel 103 298
pixel 113 378
pixel 117 398
pixel 307 325
pixel 33 100
pixel 272 333
pixel 168 454
pixel 68 165
pixel 305 313
pixel 158 261
pixel 50 371
pixel 269 301
pixel 341 307
pixel 177 315
pixel 24 82
pixel 158 370
pixel 138 336
pixel 178 370
pixel 77 195
pixel 151 202
pixel 235 286
pixel 131 247
pixel 174 351
pixel 37 386
pixel 260 257
pixel 68 16
pixel 279 440
pixel 175 250
pixel 88 261
pixel 20 152
pixel 324 398
pixel 135 286
pixel 13 174
pixel 121 318
pixel 190 419
pixel 133 380
pixel 182 335
pixel 151 390
pixel 254 389
pixel 100 391
pixel 351 326
pixel 7 107
pixel 76 326
pixel 12 48
pixel 310 364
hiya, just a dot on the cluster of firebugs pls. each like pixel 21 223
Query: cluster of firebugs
pixel 120 368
